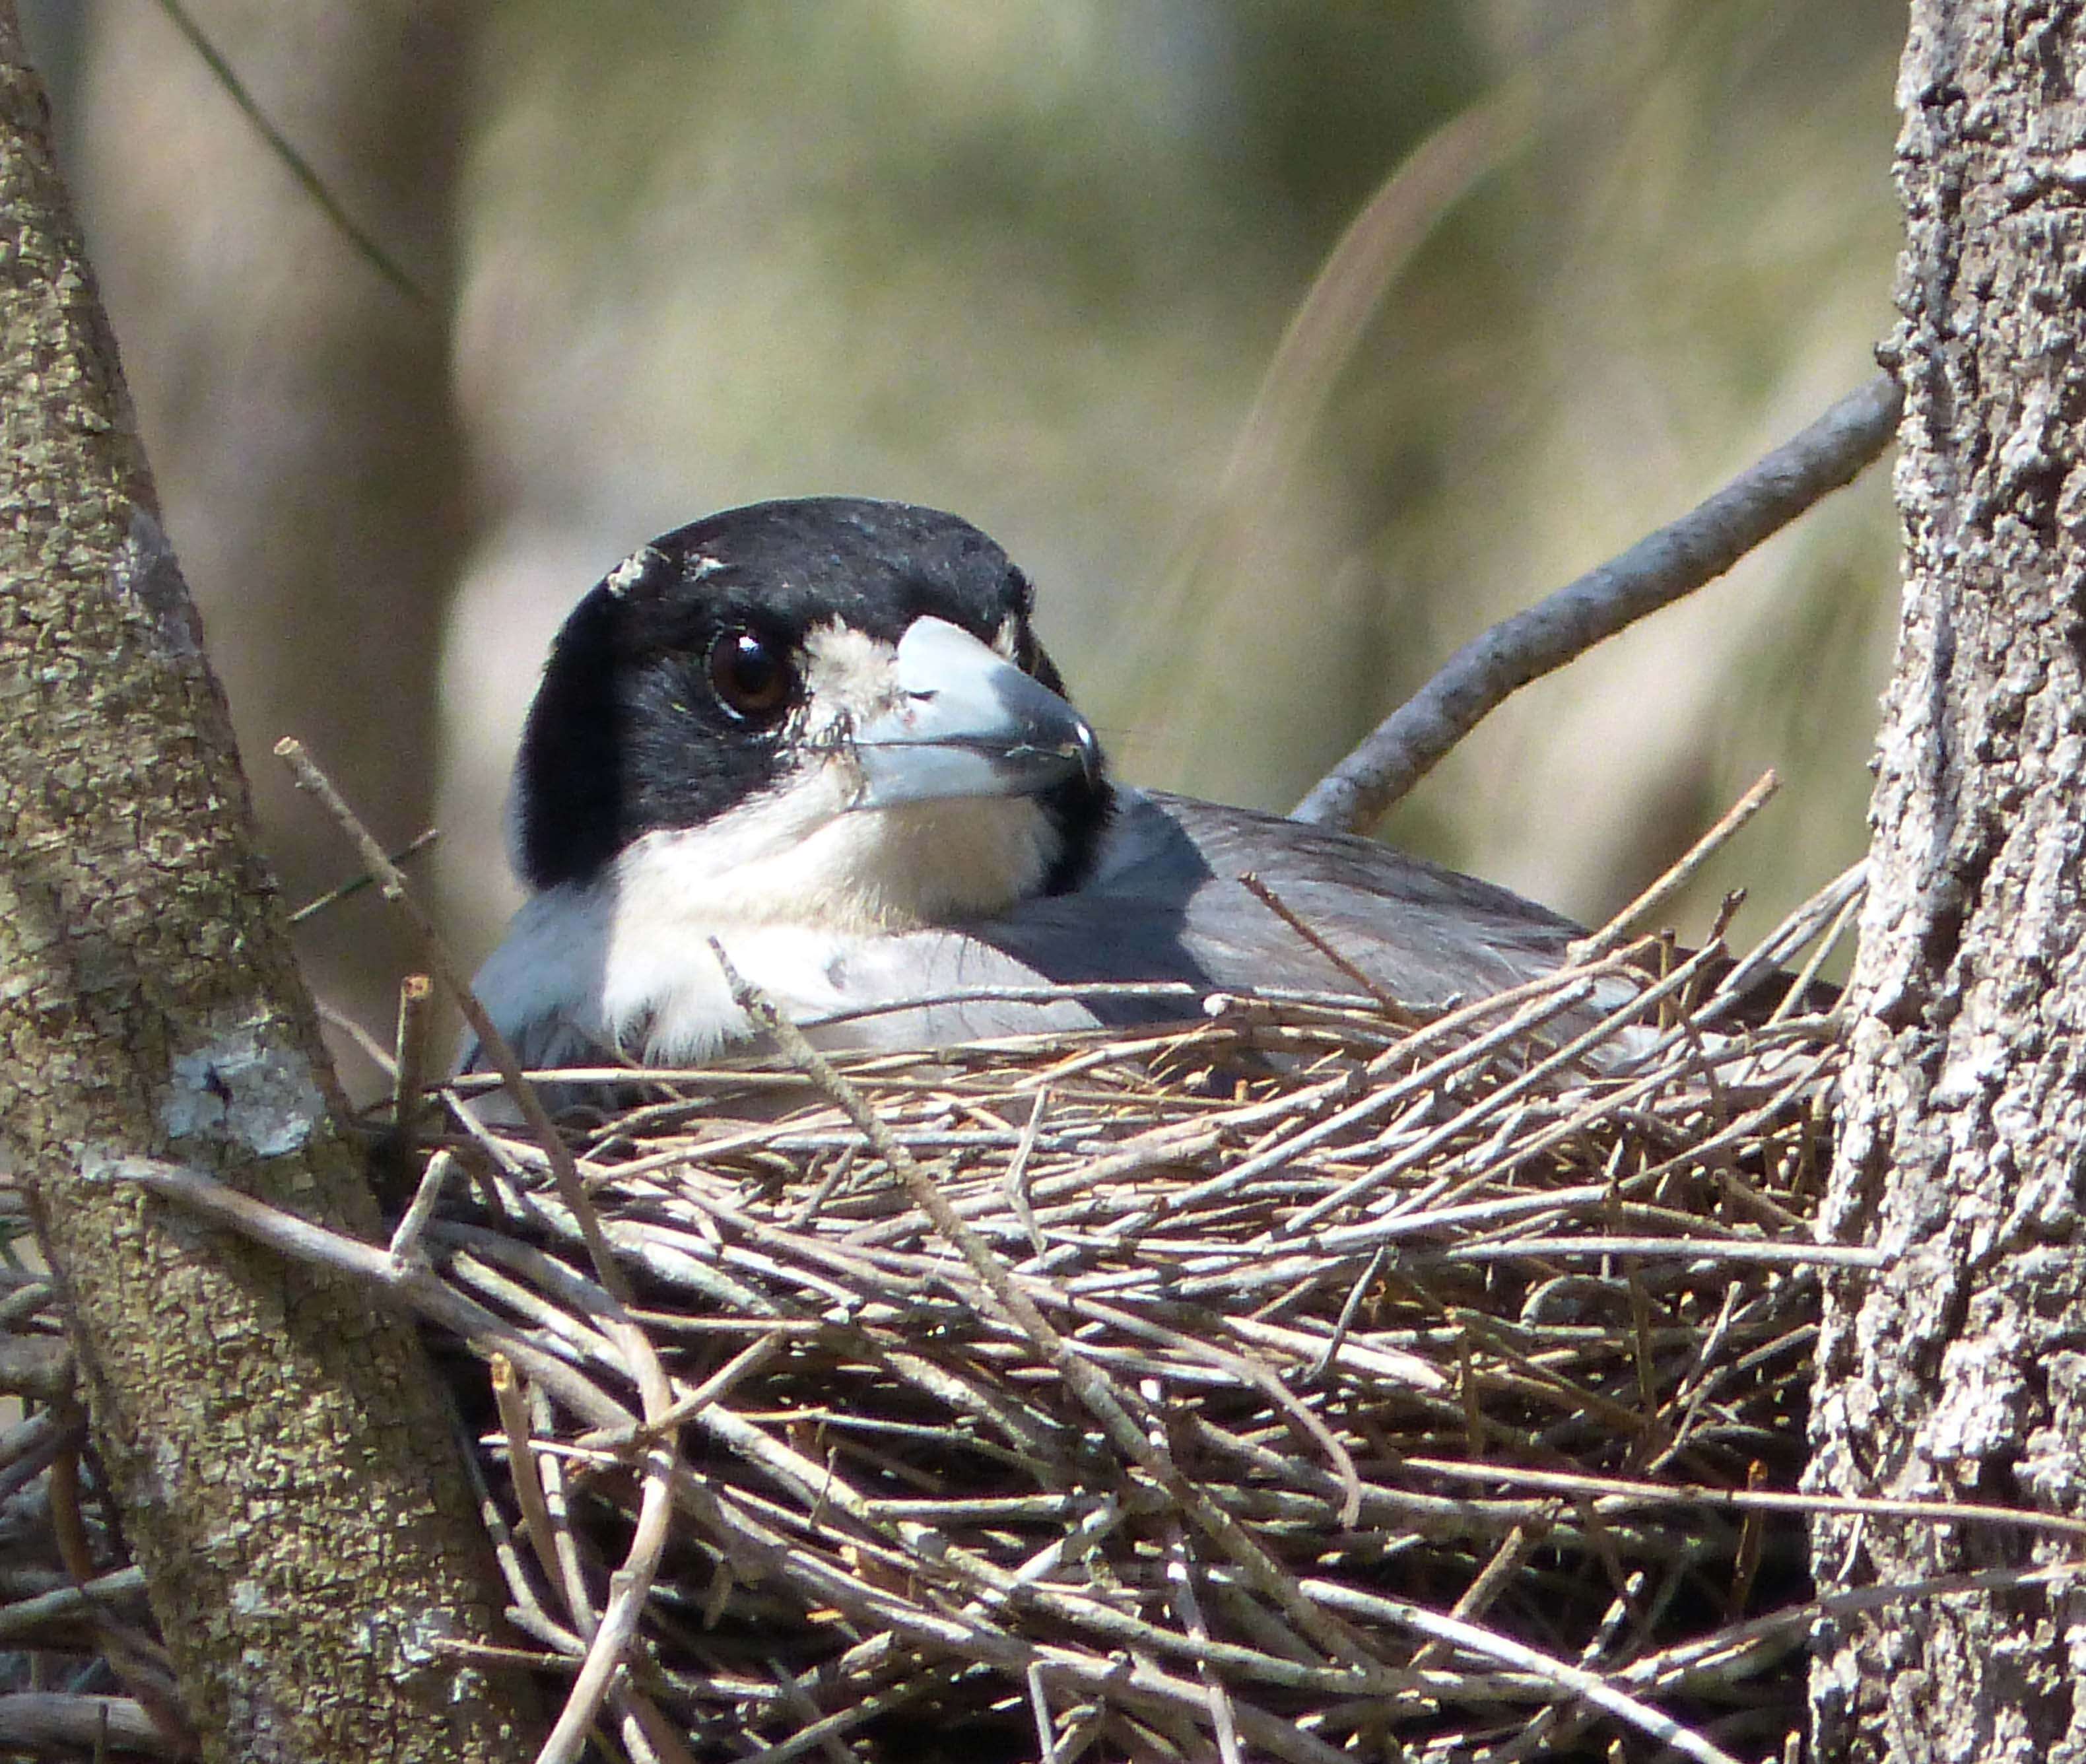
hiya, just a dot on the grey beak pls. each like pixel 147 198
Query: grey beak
pixel 971 723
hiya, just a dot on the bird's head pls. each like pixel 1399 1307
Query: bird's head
pixel 830 710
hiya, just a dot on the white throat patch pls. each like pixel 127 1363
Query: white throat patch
pixel 798 855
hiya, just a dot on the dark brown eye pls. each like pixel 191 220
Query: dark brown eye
pixel 751 676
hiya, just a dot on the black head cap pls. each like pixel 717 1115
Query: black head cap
pixel 628 733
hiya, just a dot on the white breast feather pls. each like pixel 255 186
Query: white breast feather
pixel 800 893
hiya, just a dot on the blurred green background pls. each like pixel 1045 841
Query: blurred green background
pixel 1031 261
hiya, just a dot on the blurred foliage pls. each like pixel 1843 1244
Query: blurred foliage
pixel 1029 261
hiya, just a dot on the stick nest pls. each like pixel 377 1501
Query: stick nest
pixel 1371 1387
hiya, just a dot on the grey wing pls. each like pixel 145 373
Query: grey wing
pixel 1166 902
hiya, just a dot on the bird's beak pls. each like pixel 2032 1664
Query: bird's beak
pixel 969 723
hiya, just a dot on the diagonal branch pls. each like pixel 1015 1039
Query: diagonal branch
pixel 1659 570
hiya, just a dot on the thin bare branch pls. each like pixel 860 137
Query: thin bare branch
pixel 1659 570
pixel 1680 873
pixel 363 242
pixel 311 778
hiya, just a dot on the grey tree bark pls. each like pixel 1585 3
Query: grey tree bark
pixel 280 1451
pixel 1961 1372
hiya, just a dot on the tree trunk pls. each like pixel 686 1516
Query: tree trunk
pixel 1960 1373
pixel 280 1452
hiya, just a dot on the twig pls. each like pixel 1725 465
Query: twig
pixel 527 1612
pixel 513 1404
pixel 1653 572
pixel 1671 1665
pixel 416 994
pixel 393 881
pixel 1091 1386
pixel 631 1584
pixel 1799 988
pixel 41 1721
pixel 1572 1680
pixel 363 242
pixel 1039 1709
pixel 807 1712
pixel 355 885
pixel 1799 928
pixel 1751 1250
pixel 372 1050
pixel 68 1522
pixel 1755 1500
pixel 1181 1577
pixel 1679 874
pixel 1015 1183
pixel 1273 902
pixel 411 1285
pixel 405 1240
pixel 23 1619
pixel 1477 1598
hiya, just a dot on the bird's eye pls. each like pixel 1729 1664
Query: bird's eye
pixel 752 675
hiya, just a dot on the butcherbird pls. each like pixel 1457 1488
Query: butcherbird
pixel 823 733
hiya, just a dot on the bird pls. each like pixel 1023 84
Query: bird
pixel 821 736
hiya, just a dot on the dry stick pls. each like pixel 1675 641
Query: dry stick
pixel 1799 988
pixel 21 1621
pixel 1752 1534
pixel 39 1722
pixel 1675 1664
pixel 68 1522
pixel 1569 1680
pixel 752 1358
pixel 1086 1381
pixel 664 1737
pixel 416 998
pixel 413 1284
pixel 1659 570
pixel 1536 1736
pixel 807 1712
pixel 1477 1598
pixel 355 885
pixel 1179 1572
pixel 521 1471
pixel 630 1585
pixel 1282 909
pixel 1039 1708
pixel 1745 1500
pixel 371 1049
pixel 1015 1183
pixel 1741 812
pixel 527 1612
pixel 1323 1364
pixel 393 882
pixel 1799 928
pixel 405 1240
pixel 863 1708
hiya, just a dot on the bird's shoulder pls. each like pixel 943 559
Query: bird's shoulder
pixel 1168 897
pixel 1156 830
